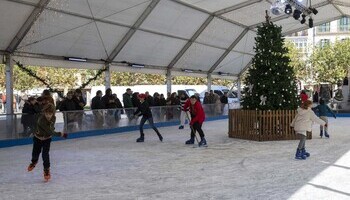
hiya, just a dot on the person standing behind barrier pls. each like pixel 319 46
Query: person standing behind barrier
pixel 135 100
pixel 149 99
pixel 323 110
pixel 97 106
pixel 3 101
pixel 47 97
pixel 119 106
pixel 78 97
pixel 67 106
pixel 303 96
pixel 128 103
pixel 146 113
pixel 184 112
pixel 28 118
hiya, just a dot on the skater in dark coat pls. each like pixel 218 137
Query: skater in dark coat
pixel 45 129
pixel 144 110
pixel 197 119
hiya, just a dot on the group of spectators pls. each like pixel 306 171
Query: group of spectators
pixel 72 106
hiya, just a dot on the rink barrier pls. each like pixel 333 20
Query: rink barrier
pixel 91 133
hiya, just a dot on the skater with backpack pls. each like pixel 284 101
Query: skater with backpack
pixel 302 123
pixel 144 110
pixel 197 119
pixel 44 130
pixel 323 109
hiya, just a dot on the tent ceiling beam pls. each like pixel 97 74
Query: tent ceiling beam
pixel 245 68
pixel 190 42
pixel 223 56
pixel 209 13
pixel 336 7
pixel 132 30
pixel 341 3
pixel 236 7
pixel 27 25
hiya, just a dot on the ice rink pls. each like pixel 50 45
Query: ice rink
pixel 116 167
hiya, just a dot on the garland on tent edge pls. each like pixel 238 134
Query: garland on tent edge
pixel 32 74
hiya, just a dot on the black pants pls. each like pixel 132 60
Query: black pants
pixel 150 121
pixel 197 127
pixel 45 146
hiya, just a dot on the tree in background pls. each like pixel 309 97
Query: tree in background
pixel 298 62
pixel 331 62
pixel 270 83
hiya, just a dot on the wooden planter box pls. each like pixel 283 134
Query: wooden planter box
pixel 261 125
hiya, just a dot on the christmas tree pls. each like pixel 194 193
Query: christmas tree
pixel 270 84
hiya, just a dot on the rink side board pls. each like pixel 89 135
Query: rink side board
pixel 81 134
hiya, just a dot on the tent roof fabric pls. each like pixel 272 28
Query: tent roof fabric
pixel 207 36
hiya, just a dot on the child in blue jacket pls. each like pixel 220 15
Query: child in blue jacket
pixel 323 109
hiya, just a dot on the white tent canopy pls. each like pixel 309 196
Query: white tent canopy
pixel 179 36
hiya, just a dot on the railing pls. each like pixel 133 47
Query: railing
pixel 13 126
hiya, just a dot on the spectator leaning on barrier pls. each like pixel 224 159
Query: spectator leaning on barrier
pixel 97 106
pixel 128 103
pixel 28 118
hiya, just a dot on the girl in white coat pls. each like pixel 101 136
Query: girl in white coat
pixel 302 123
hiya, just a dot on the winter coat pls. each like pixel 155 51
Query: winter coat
pixel 224 99
pixel 80 101
pixel 96 103
pixel 45 129
pixel 323 110
pixel 150 100
pixel 144 110
pixel 29 110
pixel 197 112
pixel 303 120
pixel 127 100
pixel 68 105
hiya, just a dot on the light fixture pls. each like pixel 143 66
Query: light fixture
pixel 188 70
pixel 137 65
pixel 296 14
pixel 75 59
pixel 311 22
pixel 314 11
pixel 303 20
pixel 288 10
pixel 223 74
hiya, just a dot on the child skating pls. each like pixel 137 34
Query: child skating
pixel 197 119
pixel 302 123
pixel 323 109
pixel 144 110
pixel 44 130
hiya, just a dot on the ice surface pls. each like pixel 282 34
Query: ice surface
pixel 116 167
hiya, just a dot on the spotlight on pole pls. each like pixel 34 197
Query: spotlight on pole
pixel 303 20
pixel 296 14
pixel 288 10
pixel 311 22
pixel 314 11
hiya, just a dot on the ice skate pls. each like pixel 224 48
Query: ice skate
pixel 190 141
pixel 203 142
pixel 31 166
pixel 140 139
pixel 47 175
pixel 304 152
pixel 321 134
pixel 299 155
pixel 160 137
pixel 326 134
pixel 181 127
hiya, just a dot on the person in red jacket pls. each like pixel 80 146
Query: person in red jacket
pixel 197 119
pixel 303 96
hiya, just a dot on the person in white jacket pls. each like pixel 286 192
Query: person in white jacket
pixel 302 123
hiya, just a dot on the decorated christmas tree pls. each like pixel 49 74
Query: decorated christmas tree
pixel 270 83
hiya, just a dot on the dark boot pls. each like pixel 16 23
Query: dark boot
pixel 47 174
pixel 203 142
pixel 321 134
pixel 299 155
pixel 160 137
pixel 326 134
pixel 190 141
pixel 304 152
pixel 141 139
